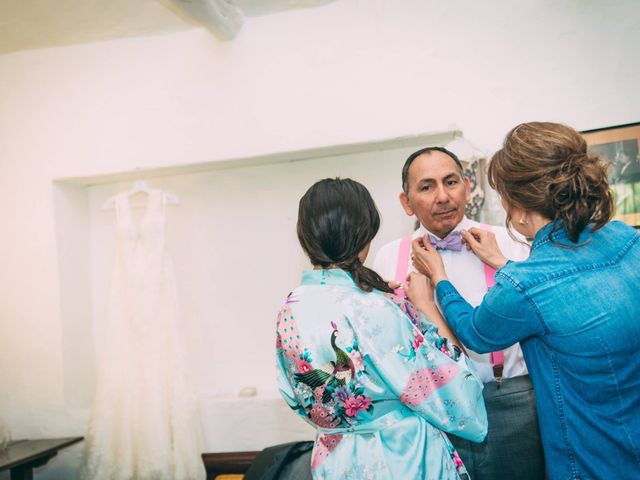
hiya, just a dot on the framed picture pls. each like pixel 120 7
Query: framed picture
pixel 620 145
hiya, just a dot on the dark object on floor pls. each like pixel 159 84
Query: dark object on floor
pixel 287 461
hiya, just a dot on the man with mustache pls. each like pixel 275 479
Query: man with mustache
pixel 436 191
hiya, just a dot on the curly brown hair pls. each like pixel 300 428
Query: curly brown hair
pixel 545 167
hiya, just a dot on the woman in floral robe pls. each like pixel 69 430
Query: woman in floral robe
pixel 363 366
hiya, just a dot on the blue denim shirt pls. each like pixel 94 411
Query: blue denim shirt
pixel 576 313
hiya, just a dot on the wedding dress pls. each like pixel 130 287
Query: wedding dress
pixel 144 423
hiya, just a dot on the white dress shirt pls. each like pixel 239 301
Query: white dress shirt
pixel 466 273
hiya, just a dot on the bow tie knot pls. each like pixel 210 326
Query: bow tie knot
pixel 453 241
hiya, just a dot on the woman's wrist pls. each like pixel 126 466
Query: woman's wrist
pixel 424 305
pixel 498 262
pixel 437 278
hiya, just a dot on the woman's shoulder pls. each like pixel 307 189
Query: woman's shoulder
pixel 618 229
pixel 549 260
pixel 615 240
pixel 335 300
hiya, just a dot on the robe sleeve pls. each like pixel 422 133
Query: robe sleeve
pixel 428 375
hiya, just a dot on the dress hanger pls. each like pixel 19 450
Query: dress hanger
pixel 141 187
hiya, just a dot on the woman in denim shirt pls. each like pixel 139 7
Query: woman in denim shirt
pixel 574 305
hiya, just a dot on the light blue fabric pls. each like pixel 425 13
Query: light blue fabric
pixel 377 382
pixel 576 314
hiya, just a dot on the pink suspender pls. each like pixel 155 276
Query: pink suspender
pixel 489 275
pixel 497 362
pixel 497 358
pixel 403 263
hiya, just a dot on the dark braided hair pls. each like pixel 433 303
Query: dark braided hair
pixel 545 167
pixel 337 219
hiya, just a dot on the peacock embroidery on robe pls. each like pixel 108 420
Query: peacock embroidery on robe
pixel 334 393
pixel 371 374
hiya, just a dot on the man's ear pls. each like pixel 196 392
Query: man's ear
pixel 467 189
pixel 404 200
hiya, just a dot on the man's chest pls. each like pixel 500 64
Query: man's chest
pixel 467 273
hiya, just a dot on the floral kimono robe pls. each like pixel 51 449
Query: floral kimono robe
pixel 379 385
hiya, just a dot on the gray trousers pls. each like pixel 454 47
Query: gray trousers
pixel 512 449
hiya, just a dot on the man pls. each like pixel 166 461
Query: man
pixel 436 191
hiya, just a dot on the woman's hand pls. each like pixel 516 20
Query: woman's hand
pixel 427 260
pixel 483 244
pixel 419 290
pixel 393 285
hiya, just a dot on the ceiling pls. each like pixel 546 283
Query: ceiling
pixel 31 24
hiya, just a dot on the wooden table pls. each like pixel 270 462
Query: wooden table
pixel 22 456
pixel 227 463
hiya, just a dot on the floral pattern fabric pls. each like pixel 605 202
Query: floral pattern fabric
pixel 371 374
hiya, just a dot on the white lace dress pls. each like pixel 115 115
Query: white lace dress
pixel 144 423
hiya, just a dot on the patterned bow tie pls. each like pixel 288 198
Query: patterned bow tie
pixel 453 241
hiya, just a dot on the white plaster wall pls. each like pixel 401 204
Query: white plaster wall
pixel 236 255
pixel 351 71
pixel 233 242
